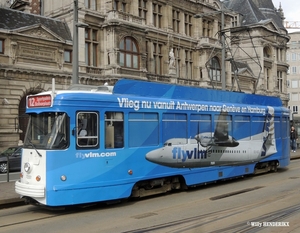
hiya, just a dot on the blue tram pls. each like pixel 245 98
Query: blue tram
pixel 142 138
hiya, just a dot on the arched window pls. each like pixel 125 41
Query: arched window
pixel 129 53
pixel 215 69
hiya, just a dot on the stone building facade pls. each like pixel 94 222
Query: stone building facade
pixel 31 55
pixel 153 29
pixel 293 58
pixel 255 42
pixel 153 40
pixel 264 38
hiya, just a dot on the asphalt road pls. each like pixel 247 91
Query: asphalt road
pixel 251 204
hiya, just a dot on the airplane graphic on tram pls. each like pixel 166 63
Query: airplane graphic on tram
pixel 216 148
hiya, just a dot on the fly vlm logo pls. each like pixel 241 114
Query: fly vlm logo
pixel 179 153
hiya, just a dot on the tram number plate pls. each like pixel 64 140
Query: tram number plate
pixel 39 101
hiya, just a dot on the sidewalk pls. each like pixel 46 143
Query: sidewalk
pixel 8 195
pixel 295 155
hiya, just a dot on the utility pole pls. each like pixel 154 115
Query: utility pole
pixel 223 73
pixel 75 44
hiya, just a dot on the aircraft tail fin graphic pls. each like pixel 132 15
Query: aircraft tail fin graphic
pixel 269 143
pixel 221 129
pixel 220 137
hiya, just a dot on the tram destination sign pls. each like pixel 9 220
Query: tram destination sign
pixel 36 101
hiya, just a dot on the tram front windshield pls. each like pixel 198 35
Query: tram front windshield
pixel 47 131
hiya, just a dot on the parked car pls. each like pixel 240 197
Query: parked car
pixel 14 156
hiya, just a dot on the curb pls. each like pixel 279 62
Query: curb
pixel 297 156
pixel 12 202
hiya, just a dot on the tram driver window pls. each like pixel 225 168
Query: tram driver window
pixel 87 129
pixel 114 130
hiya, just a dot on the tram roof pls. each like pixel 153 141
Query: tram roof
pixel 170 91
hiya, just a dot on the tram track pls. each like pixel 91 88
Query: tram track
pixel 183 225
pixel 203 220
pixel 32 213
pixel 270 218
pixel 213 222
pixel 36 214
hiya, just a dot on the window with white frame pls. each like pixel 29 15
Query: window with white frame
pixel 294 96
pixel 294 84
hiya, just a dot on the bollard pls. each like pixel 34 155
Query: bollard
pixel 7 169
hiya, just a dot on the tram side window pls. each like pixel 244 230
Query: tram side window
pixel 143 129
pixel 201 124
pixel 258 126
pixel 242 127
pixel 87 129
pixel 285 127
pixel 223 126
pixel 114 130
pixel 174 126
pixel 278 131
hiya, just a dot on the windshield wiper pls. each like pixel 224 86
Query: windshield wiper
pixel 33 146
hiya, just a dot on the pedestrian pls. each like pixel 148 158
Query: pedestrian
pixel 293 138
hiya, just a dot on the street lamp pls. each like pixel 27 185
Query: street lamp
pixel 76 25
pixel 223 80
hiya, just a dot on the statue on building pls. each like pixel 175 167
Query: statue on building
pixel 172 59
pixel 172 69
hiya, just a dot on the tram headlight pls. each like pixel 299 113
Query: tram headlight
pixel 63 178
pixel 27 167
